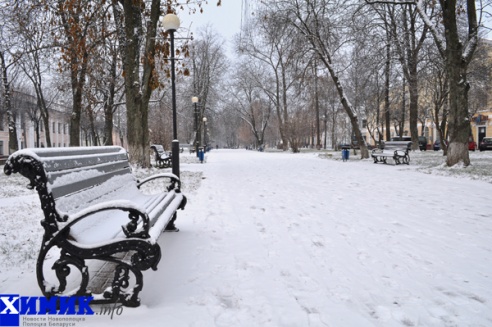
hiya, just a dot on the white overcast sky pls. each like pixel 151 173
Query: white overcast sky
pixel 226 19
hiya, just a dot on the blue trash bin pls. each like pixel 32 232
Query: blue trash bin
pixel 345 154
pixel 201 155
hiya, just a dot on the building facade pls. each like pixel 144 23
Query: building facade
pixel 27 137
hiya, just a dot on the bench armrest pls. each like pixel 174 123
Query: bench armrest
pixel 399 151
pixel 174 179
pixel 163 156
pixel 136 214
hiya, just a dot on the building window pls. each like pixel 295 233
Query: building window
pixel 1 148
pixel 64 128
pixel 59 128
pixel 2 127
pixel 53 130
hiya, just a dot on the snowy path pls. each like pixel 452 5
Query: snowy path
pixel 276 239
pixel 284 240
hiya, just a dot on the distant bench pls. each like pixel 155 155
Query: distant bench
pixel 94 209
pixel 396 150
pixel 162 158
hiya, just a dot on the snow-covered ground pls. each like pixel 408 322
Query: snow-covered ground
pixel 282 239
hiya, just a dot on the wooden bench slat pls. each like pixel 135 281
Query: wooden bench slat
pixel 160 225
pixel 75 151
pixel 107 225
pixel 81 185
pixel 73 162
pixel 158 208
pixel 56 177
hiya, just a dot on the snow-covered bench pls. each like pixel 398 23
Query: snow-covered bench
pixel 161 157
pixel 96 212
pixel 396 150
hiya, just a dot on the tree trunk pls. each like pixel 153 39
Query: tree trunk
pixel 316 106
pixel 108 125
pixel 285 113
pixel 414 108
pixel 282 121
pixel 459 124
pixel 92 127
pixel 364 153
pixel 387 71
pixel 136 126
pixel 76 115
pixel 138 91
pixel 308 25
pixel 333 136
pixel 109 103
pixel 78 72
pixel 456 66
pixel 13 145
pixel 408 47
pixel 45 120
pixel 401 125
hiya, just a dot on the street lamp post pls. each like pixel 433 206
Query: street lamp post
pixel 171 23
pixel 197 134
pixel 204 134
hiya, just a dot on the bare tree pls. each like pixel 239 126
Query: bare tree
pixel 8 70
pixel 230 125
pixel 479 76
pixel 276 44
pixel 208 63
pixel 248 102
pixel 457 53
pixel 36 60
pixel 137 28
pixel 318 21
pixel 104 91
pixel 435 92
pixel 408 35
pixel 11 117
pixel 456 49
pixel 160 122
pixel 105 83
pixel 332 109
pixel 387 73
pixel 78 39
pixel 137 37
pixel 31 110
